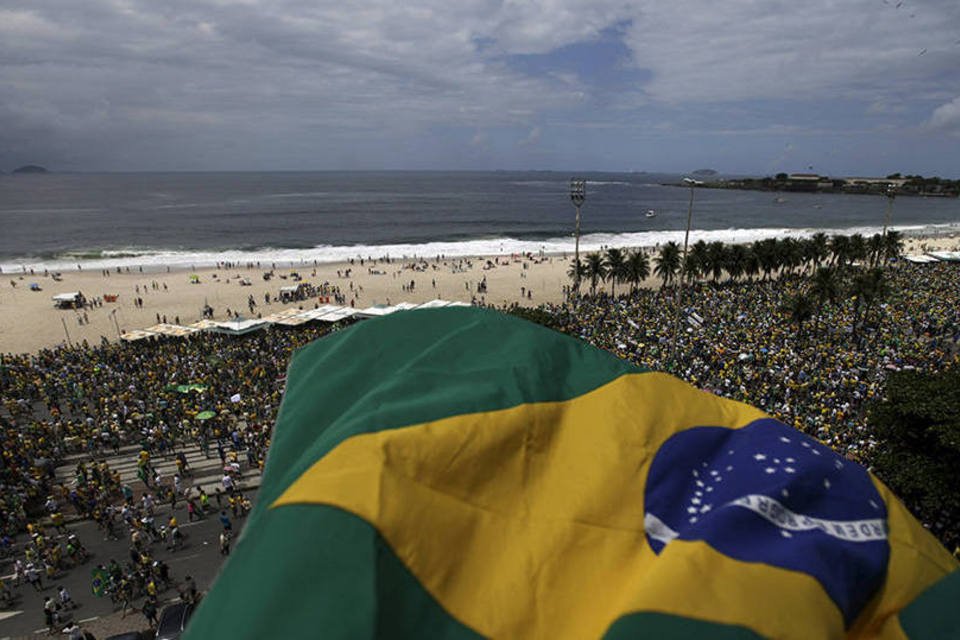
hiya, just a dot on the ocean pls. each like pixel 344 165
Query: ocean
pixel 58 221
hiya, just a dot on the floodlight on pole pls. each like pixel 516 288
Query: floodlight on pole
pixel 690 182
pixel 578 193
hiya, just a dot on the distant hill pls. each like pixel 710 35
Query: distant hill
pixel 705 172
pixel 30 168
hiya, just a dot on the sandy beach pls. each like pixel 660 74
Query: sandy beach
pixel 29 321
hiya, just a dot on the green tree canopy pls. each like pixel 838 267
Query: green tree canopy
pixel 918 426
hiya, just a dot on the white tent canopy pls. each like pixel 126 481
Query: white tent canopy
pixel 174 330
pixel 238 327
pixel 946 256
pixel 291 317
pixel 67 300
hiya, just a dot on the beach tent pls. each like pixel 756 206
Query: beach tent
pixel 172 330
pixel 338 314
pixel 238 327
pixel 203 325
pixel 320 312
pixel 274 318
pixel 920 259
pixel 70 300
pixel 295 321
pixel 946 256
pixel 471 474
pixel 434 304
pixel 136 335
pixel 377 311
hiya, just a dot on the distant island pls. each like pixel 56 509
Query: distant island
pixel 30 168
pixel 705 173
pixel 896 184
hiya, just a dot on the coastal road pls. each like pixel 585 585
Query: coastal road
pixel 200 557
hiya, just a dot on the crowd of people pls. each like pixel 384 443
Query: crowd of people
pixel 740 341
pixel 221 393
pixel 79 408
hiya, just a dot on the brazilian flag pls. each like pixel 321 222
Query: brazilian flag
pixel 458 473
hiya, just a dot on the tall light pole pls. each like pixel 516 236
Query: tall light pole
pixel 891 196
pixel 578 193
pixel 113 314
pixel 683 270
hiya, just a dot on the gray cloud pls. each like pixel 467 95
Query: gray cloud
pixel 193 84
pixel 946 117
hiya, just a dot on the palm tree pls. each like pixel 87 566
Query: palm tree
pixel 875 245
pixel 751 266
pixel 818 248
pixel 596 270
pixel 638 268
pixel 790 254
pixel 767 255
pixel 668 262
pixel 697 259
pixel 577 272
pixel 825 288
pixel 616 264
pixel 858 247
pixel 717 255
pixel 736 260
pixel 801 308
pixel 869 288
pixel 893 245
pixel 839 250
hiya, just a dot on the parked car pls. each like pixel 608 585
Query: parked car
pixel 173 620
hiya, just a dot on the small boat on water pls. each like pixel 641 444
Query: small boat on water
pixel 650 213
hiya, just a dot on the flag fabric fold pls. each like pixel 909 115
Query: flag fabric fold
pixel 459 473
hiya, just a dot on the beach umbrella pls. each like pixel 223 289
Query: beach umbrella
pixel 475 475
pixel 205 415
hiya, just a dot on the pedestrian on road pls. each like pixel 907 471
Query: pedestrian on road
pixel 33 577
pixel 66 601
pixel 191 511
pixel 149 611
pixel 50 615
pixel 227 482
pixel 224 543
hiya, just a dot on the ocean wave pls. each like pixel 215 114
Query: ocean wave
pixel 159 259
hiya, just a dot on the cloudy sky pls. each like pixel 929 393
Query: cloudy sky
pixel 751 86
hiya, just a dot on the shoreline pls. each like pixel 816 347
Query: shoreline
pixel 164 260
pixel 29 321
